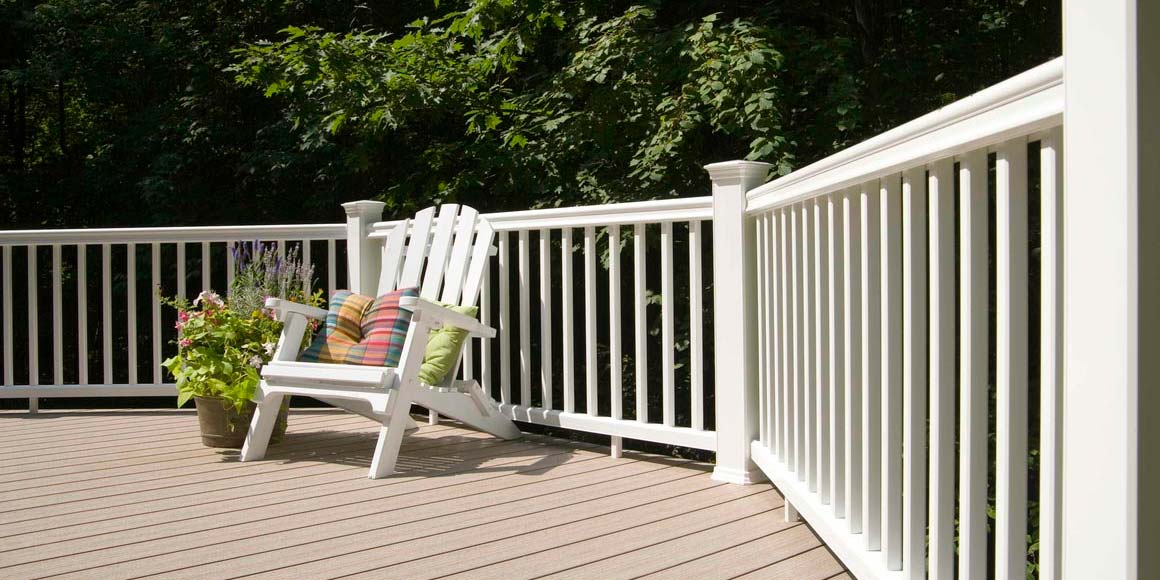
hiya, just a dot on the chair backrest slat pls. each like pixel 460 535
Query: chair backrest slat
pixel 440 246
pixel 447 253
pixel 393 257
pixel 460 255
pixel 480 254
pixel 417 248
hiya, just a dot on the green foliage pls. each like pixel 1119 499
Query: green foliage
pixel 121 113
pixel 153 113
pixel 219 350
pixel 260 271
pixel 632 109
pixel 220 346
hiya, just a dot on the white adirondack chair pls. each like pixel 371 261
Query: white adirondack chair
pixel 444 256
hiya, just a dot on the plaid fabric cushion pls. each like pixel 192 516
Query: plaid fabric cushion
pixel 362 331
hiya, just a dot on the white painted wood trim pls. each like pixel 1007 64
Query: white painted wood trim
pixel 524 278
pixel 566 321
pixel 973 380
pixel 107 312
pixel 545 319
pixel 170 234
pixel 852 338
pixel 914 373
pixel 590 395
pixel 639 323
pixel 505 325
pixel 942 356
pixel 615 360
pixel 891 381
pixel 57 322
pixel 696 326
pixel 872 366
pixel 668 382
pixel 1011 275
pixel 837 355
pixel 1051 357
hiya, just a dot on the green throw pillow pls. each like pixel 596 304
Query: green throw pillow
pixel 443 346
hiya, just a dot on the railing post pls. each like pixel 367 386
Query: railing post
pixel 362 255
pixel 1111 272
pixel 735 319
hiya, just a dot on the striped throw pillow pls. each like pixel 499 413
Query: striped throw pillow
pixel 362 330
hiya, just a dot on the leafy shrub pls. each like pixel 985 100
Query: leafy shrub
pixel 222 344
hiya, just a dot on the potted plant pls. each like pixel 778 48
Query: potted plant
pixel 223 343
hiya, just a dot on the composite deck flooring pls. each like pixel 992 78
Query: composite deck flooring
pixel 133 494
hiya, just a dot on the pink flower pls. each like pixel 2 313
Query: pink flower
pixel 182 316
pixel 210 299
pixel 184 343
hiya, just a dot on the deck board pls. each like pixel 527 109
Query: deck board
pixel 130 494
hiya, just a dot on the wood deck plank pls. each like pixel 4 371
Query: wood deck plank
pixel 636 550
pixel 350 495
pixel 428 551
pixel 127 494
pixel 273 549
pixel 816 564
pixel 35 464
pixel 175 474
pixel 230 535
pixel 319 481
pixel 180 429
pixel 740 558
pixel 243 475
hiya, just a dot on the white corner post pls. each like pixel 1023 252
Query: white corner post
pixel 363 256
pixel 735 318
pixel 1111 290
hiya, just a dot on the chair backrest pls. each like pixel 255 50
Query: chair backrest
pixel 444 255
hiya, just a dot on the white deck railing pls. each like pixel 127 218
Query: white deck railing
pixel 573 298
pixel 572 293
pixel 871 301
pixel 102 287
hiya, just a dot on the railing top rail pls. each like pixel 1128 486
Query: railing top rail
pixel 1026 103
pixel 655 211
pixel 172 234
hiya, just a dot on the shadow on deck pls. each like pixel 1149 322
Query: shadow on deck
pixel 128 494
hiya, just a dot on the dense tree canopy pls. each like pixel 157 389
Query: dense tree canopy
pixel 127 112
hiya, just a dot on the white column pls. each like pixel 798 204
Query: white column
pixel 1111 272
pixel 735 319
pixel 363 258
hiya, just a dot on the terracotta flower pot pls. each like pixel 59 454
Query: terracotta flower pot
pixel 222 425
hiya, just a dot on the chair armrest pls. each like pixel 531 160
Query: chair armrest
pixel 446 316
pixel 293 307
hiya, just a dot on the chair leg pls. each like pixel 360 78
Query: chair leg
pixel 386 452
pixel 395 424
pixel 261 427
